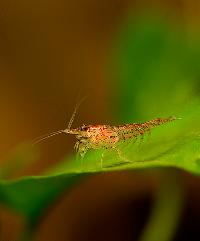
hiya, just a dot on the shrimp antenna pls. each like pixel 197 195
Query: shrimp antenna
pixel 44 137
pixel 74 112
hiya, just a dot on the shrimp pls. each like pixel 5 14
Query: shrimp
pixel 105 136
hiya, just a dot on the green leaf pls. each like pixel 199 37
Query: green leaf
pixel 30 196
pixel 156 72
pixel 176 144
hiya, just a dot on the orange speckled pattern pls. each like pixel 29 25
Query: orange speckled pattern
pixel 106 136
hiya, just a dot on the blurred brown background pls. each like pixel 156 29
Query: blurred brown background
pixel 50 52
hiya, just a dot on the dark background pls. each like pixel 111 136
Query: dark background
pixel 50 53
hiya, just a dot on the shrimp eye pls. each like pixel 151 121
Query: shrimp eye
pixel 83 128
